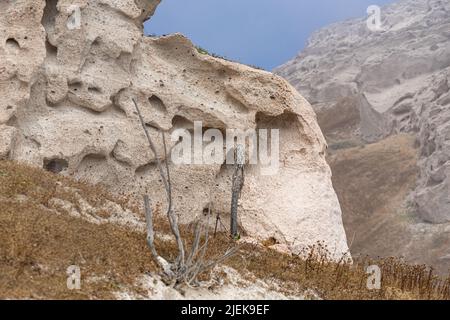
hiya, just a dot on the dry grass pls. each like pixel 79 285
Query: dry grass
pixel 38 244
pixel 342 281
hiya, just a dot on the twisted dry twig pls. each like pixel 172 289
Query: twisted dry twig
pixel 183 270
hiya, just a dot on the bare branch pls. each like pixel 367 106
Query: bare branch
pixel 153 149
pixel 173 221
pixel 196 243
pixel 169 182
pixel 229 253
pixel 151 239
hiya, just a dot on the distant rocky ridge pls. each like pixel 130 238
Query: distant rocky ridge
pixel 368 85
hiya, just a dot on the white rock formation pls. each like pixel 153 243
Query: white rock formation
pixel 68 72
pixel 396 79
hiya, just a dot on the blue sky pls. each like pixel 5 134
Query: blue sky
pixel 265 33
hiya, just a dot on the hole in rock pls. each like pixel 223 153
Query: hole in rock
pixel 55 165
pixel 76 86
pixel 52 51
pixel 236 105
pixel 91 160
pixel 180 122
pixel 12 46
pixel 96 42
pixel 271 241
pixel 157 104
pixel 94 168
pixel 50 13
pixel 94 90
pixel 207 209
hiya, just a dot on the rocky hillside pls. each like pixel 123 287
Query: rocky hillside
pixel 74 160
pixel 367 85
pixel 49 222
pixel 69 71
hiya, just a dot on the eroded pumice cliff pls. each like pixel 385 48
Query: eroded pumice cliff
pixel 68 73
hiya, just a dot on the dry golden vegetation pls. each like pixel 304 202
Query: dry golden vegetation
pixel 39 243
